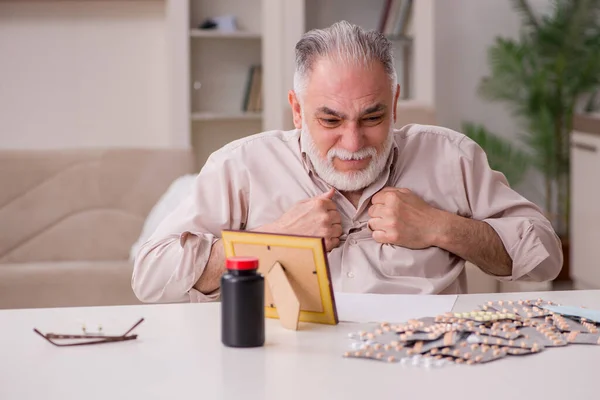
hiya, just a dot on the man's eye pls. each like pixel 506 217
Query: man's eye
pixel 330 121
pixel 373 120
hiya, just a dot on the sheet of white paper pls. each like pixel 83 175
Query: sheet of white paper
pixel 352 307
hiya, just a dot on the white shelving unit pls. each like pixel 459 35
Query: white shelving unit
pixel 323 13
pixel 209 69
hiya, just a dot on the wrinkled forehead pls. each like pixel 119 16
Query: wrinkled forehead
pixel 347 87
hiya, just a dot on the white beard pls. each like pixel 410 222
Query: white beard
pixel 352 180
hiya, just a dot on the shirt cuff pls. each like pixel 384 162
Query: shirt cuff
pixel 525 247
pixel 201 246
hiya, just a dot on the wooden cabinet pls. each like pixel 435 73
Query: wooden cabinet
pixel 585 210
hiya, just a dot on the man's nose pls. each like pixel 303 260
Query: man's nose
pixel 352 138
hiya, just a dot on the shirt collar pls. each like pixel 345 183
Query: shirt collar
pixel 306 163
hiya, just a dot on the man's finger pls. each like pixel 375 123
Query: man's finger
pixel 380 236
pixel 324 198
pixel 383 195
pixel 376 211
pixel 334 216
pixel 395 189
pixel 328 194
pixel 330 205
pixel 375 224
pixel 332 243
pixel 336 230
pixel 378 198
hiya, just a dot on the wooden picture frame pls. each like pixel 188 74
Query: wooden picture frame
pixel 300 259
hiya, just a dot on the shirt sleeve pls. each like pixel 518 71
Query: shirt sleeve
pixel 526 233
pixel 170 263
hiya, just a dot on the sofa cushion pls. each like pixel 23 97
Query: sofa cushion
pixel 80 204
pixel 66 284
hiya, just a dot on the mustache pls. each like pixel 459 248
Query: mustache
pixel 346 155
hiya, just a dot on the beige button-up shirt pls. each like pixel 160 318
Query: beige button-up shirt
pixel 253 181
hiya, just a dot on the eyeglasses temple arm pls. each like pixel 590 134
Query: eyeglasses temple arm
pixel 134 326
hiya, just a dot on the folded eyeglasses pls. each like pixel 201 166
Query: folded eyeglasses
pixel 88 338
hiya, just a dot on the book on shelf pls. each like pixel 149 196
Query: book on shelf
pixel 253 94
pixel 396 18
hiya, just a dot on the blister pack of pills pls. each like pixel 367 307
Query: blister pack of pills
pixel 486 316
pixel 377 352
pixel 524 309
pixel 522 343
pixel 493 332
pixel 478 353
pixel 418 325
pixel 449 339
pixel 570 325
pixel 578 312
pixel 499 329
pixel 582 338
pixel 545 336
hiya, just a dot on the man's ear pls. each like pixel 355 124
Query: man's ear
pixel 396 96
pixel 296 109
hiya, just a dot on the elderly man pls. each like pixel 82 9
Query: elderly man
pixel 400 210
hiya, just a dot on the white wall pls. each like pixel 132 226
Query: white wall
pixel 83 74
pixel 464 31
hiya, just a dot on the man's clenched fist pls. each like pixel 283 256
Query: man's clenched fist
pixel 400 217
pixel 317 216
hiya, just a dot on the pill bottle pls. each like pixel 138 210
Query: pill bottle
pixel 242 303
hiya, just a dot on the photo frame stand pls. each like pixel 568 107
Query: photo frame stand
pixel 298 285
pixel 285 299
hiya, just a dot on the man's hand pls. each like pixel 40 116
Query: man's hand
pixel 317 216
pixel 400 217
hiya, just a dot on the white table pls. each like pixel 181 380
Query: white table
pixel 178 355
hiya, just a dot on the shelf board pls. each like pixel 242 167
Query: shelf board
pixel 216 116
pixel 210 33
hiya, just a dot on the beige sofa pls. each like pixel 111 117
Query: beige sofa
pixel 68 219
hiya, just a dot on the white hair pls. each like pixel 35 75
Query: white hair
pixel 347 44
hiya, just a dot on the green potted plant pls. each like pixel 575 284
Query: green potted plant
pixel 546 75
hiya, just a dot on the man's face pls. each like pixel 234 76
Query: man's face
pixel 346 117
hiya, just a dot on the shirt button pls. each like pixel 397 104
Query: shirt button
pixel 352 241
pixel 350 274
